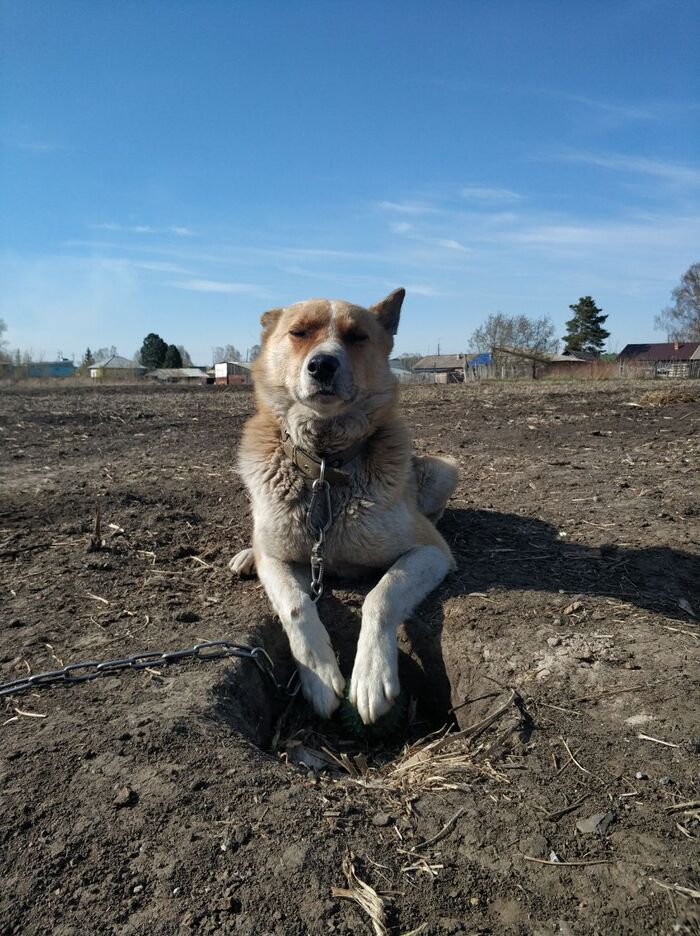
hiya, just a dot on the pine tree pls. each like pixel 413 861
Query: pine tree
pixel 173 358
pixel 585 332
pixel 153 351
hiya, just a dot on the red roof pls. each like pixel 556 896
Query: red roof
pixel 664 351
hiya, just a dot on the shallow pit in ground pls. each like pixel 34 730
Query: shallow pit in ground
pixel 443 687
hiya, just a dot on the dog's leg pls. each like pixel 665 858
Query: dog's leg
pixel 243 563
pixel 436 478
pixel 321 681
pixel 375 675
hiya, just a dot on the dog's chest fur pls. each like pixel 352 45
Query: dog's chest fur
pixel 372 515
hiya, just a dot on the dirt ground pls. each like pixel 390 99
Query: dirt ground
pixel 198 799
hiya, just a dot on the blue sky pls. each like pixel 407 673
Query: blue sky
pixel 180 167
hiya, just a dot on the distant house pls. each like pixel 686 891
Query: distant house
pixel 233 372
pixel 62 368
pixel 445 367
pixel 116 368
pixel 187 375
pixel 661 359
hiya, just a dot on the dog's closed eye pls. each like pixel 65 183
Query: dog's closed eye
pixel 298 332
pixel 354 337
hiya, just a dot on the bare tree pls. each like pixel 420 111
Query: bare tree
pixel 681 321
pixel 517 332
pixel 227 353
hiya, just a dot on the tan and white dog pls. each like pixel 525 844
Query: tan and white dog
pixel 324 389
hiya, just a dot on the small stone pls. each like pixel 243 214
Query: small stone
pixel 176 891
pixel 138 889
pixel 474 901
pixel 595 824
pixel 554 641
pixel 381 819
pixel 125 796
pixel 554 857
pixel 641 776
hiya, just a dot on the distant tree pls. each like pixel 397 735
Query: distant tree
pixel 88 359
pixel 254 353
pixel 516 332
pixel 585 332
pixel 4 354
pixel 185 355
pixel 173 358
pixel 227 353
pixel 103 353
pixel 409 360
pixel 153 351
pixel 681 321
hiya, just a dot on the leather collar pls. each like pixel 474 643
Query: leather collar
pixel 310 465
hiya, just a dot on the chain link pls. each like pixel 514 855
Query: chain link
pixel 320 504
pixel 206 650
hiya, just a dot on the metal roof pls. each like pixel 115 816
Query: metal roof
pixel 438 362
pixel 164 373
pixel 663 351
pixel 117 363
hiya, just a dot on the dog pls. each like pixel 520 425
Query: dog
pixel 325 394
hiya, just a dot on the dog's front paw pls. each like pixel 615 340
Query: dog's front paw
pixel 374 686
pixel 243 563
pixel 322 688
pixel 322 683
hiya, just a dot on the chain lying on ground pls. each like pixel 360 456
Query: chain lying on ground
pixel 320 502
pixel 206 650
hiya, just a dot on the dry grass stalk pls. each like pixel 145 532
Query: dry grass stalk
pixel 678 889
pixel 364 895
pixel 668 395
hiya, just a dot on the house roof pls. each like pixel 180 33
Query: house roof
pixel 164 373
pixel 480 360
pixel 568 357
pixel 663 351
pixel 117 363
pixel 438 362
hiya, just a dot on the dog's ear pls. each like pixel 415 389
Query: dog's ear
pixel 389 310
pixel 268 320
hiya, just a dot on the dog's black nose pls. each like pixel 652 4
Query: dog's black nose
pixel 323 366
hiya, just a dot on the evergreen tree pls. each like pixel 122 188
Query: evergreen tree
pixel 88 359
pixel 153 351
pixel 585 332
pixel 173 358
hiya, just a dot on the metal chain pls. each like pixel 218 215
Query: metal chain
pixel 206 650
pixel 320 503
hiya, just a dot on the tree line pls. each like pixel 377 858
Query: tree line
pixel 584 332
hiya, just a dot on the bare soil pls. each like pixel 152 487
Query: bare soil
pixel 178 800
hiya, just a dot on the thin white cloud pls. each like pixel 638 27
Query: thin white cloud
pixel 400 227
pixel 178 230
pixel 672 172
pixel 213 286
pixel 452 244
pixel 486 194
pixel 408 207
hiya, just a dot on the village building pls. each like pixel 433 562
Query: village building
pixel 233 372
pixel 62 368
pixel 445 368
pixel 116 368
pixel 661 359
pixel 180 375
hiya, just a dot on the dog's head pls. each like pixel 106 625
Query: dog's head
pixel 328 355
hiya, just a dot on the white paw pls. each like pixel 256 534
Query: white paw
pixel 243 563
pixel 323 687
pixel 322 683
pixel 374 686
